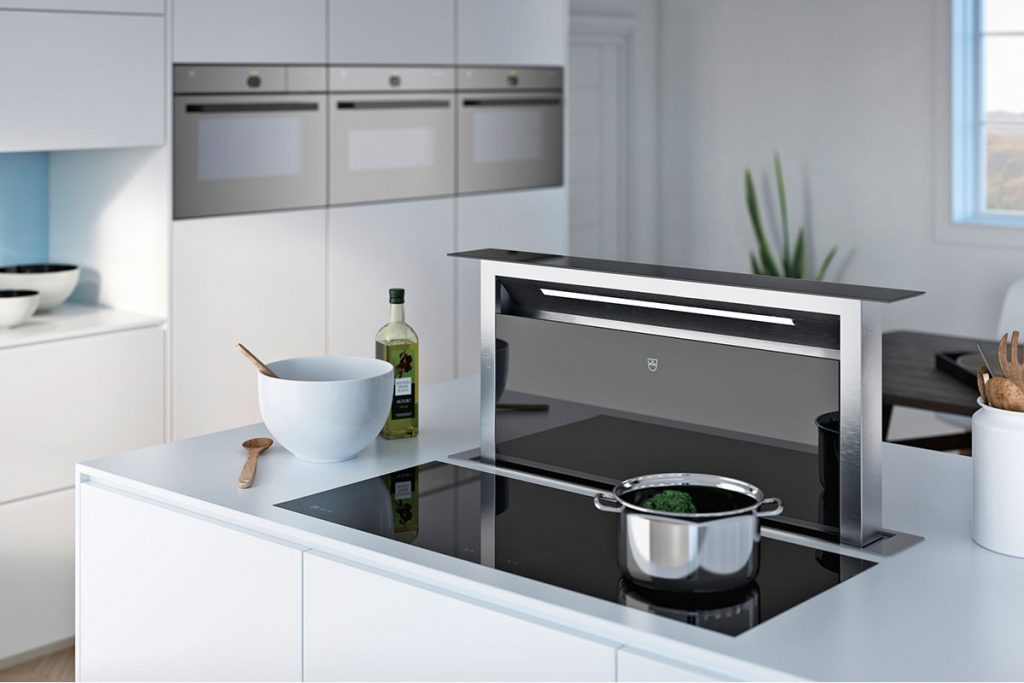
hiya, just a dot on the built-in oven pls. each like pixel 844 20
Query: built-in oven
pixel 510 128
pixel 249 138
pixel 392 133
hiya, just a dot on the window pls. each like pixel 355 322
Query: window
pixel 988 111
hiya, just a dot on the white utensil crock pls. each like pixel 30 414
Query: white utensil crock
pixel 997 451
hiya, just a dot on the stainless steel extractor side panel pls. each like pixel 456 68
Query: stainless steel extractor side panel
pixel 245 153
pixel 391 146
pixel 510 140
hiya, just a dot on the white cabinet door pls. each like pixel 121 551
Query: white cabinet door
pixel 636 666
pixel 520 33
pixel 391 31
pixel 105 392
pixel 125 6
pixel 374 247
pixel 165 595
pixel 76 81
pixel 533 220
pixel 250 31
pixel 37 572
pixel 258 279
pixel 363 626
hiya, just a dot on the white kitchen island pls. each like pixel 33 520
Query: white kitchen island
pixel 181 575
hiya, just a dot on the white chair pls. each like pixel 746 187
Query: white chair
pixel 1010 318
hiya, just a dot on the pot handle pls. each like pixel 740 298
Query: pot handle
pixel 771 512
pixel 605 503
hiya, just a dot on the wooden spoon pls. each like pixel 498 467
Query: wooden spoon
pixel 255 361
pixel 983 377
pixel 1005 394
pixel 255 447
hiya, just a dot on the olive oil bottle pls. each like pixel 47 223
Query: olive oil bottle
pixel 398 344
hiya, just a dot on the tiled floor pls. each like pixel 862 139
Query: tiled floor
pixel 59 666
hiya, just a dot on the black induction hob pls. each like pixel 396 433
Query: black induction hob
pixel 558 537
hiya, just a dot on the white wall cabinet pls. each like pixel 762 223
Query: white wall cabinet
pixel 106 392
pixel 532 220
pixel 81 80
pixel 250 31
pixel 37 572
pixel 374 247
pixel 363 626
pixel 166 595
pixel 391 31
pixel 633 665
pixel 520 33
pixel 257 279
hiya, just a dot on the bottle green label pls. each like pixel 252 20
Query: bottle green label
pixel 403 404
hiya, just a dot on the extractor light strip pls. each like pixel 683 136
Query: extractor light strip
pixel 602 299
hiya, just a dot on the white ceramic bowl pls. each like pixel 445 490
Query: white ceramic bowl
pixel 53 281
pixel 17 306
pixel 326 408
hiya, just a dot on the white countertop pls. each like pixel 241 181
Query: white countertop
pixel 68 321
pixel 944 609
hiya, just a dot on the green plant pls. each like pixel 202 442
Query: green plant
pixel 762 261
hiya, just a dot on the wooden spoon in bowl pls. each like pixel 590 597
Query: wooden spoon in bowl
pixel 255 361
pixel 255 447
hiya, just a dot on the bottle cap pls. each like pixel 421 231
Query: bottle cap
pixel 396 296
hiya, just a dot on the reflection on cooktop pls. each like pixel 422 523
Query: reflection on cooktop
pixel 559 538
pixel 603 450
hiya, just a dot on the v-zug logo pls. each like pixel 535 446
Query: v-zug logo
pixel 652 364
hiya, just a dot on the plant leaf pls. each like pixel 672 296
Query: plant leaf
pixel 787 259
pixel 798 254
pixel 754 268
pixel 767 262
pixel 827 262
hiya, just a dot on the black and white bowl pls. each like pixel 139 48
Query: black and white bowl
pixel 53 281
pixel 17 306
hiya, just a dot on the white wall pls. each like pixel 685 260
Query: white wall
pixel 854 94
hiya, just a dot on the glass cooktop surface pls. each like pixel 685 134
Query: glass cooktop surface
pixel 558 537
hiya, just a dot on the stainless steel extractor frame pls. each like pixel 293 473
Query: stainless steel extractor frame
pixel 859 356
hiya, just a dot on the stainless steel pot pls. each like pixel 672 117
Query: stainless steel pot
pixel 714 549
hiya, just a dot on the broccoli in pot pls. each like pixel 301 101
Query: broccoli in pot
pixel 671 500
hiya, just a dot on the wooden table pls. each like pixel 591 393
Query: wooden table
pixel 910 378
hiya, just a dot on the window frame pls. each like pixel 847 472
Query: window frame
pixel 968 166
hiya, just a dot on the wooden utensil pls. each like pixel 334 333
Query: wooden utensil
pixel 255 447
pixel 1009 359
pixel 983 377
pixel 1005 394
pixel 255 361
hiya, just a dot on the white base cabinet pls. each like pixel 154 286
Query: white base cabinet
pixel 374 247
pixel 165 595
pixel 531 220
pixel 363 626
pixel 76 80
pixel 258 279
pixel 37 572
pixel 106 393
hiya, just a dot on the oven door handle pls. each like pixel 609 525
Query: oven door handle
pixel 396 104
pixel 511 102
pixel 250 107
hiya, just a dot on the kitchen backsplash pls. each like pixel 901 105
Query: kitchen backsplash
pixel 24 207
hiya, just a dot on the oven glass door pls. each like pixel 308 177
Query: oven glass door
pixel 509 140
pixel 387 146
pixel 245 153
